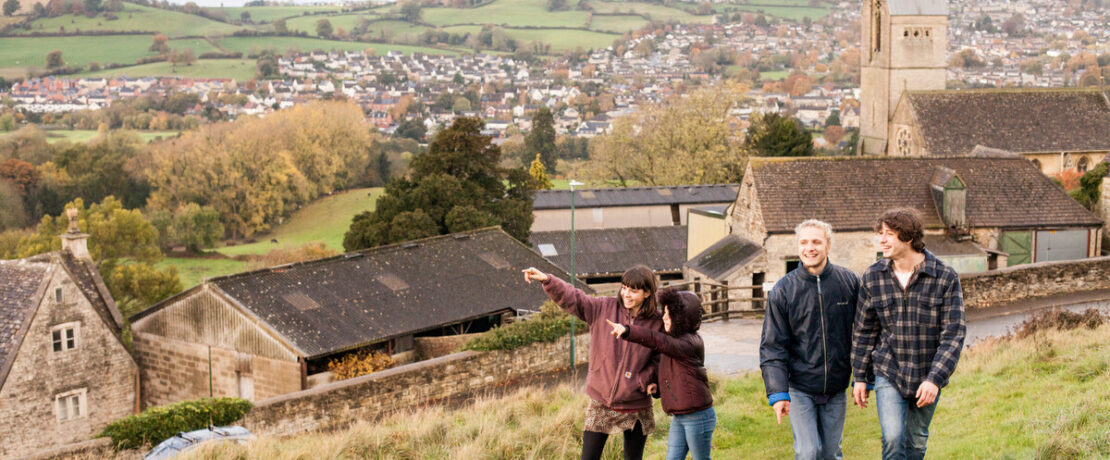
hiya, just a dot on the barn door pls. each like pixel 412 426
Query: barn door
pixel 1020 247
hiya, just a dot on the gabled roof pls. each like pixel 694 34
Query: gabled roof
pixel 614 250
pixel 339 303
pixel 918 8
pixel 725 256
pixel 21 291
pixel 636 196
pixel 953 122
pixel 850 193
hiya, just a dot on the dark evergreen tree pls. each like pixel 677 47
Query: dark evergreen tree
pixel 773 135
pixel 541 139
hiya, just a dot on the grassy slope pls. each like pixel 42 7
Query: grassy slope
pixel 85 135
pixel 509 12
pixel 123 49
pixel 619 24
pixel 272 13
pixel 1008 399
pixel 137 17
pixel 349 21
pixel 239 69
pixel 193 271
pixel 249 45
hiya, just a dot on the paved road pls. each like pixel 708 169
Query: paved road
pixel 733 348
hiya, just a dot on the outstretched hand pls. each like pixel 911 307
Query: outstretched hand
pixel 618 329
pixel 531 273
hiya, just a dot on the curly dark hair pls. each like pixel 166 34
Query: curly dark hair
pixel 684 308
pixel 906 222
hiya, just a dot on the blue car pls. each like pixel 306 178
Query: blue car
pixel 185 441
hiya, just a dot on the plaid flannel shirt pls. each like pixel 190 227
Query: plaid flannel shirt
pixel 912 335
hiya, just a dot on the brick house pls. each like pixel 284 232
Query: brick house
pixel 272 331
pixel 64 370
pixel 977 211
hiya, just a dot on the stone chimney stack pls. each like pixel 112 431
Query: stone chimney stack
pixel 75 241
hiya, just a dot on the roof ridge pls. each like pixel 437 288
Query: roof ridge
pixel 1007 90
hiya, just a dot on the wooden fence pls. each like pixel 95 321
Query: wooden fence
pixel 717 300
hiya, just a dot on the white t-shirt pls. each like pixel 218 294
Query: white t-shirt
pixel 903 278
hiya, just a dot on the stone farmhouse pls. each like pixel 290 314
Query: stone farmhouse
pixel 64 370
pixel 906 110
pixel 625 207
pixel 272 331
pixel 980 213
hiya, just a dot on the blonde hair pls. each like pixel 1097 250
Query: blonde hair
pixel 818 224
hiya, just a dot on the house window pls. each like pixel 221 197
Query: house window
pixel 70 405
pixel 791 264
pixel 64 336
pixel 58 295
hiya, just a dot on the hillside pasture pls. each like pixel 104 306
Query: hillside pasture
pixel 562 40
pixel 518 13
pixel 237 69
pixel 273 13
pixel 253 45
pixel 618 24
pixel 85 135
pixel 650 10
pixel 193 271
pixel 348 22
pixel 24 52
pixel 792 13
pixel 136 18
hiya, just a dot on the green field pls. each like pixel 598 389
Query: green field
pixel 192 271
pixel 76 51
pixel 136 17
pixel 251 45
pixel 325 220
pixel 774 75
pixel 349 21
pixel 787 12
pixel 561 40
pixel 619 24
pixel 273 13
pixel 238 69
pixel 654 11
pixel 85 135
pixel 508 12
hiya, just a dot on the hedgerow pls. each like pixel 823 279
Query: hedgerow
pixel 547 326
pixel 157 424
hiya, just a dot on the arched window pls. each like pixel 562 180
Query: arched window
pixel 876 27
pixel 1082 165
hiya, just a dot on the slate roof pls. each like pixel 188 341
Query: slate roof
pixel 953 122
pixel 850 193
pixel 944 246
pixel 339 303
pixel 725 256
pixel 636 196
pixel 20 292
pixel 918 7
pixel 614 250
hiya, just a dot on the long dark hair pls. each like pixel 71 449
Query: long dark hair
pixel 684 307
pixel 641 277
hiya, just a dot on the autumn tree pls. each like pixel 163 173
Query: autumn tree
pixel 160 44
pixel 323 28
pixel 193 226
pixel 541 140
pixel 773 135
pixel 684 140
pixel 21 174
pixel 455 186
pixel 539 173
pixel 54 59
pixel 411 11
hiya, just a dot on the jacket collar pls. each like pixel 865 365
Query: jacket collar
pixel 931 265
pixel 805 275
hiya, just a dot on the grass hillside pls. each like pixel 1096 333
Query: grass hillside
pixel 136 17
pixel 1041 397
pixel 239 69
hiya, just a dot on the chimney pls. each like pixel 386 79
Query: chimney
pixel 74 241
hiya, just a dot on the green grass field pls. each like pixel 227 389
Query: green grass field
pixel 251 45
pixel 787 12
pixel 85 135
pixel 79 51
pixel 774 75
pixel 349 21
pixel 654 11
pixel 137 17
pixel 618 24
pixel 1029 399
pixel 561 40
pixel 238 69
pixel 325 220
pixel 508 12
pixel 273 13
pixel 193 271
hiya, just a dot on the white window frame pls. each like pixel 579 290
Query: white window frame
pixel 71 405
pixel 62 328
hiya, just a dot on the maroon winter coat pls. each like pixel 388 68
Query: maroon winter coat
pixel 683 382
pixel 620 371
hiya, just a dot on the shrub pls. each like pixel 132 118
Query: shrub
pixel 159 423
pixel 1059 319
pixel 360 363
pixel 547 326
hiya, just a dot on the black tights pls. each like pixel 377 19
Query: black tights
pixel 593 443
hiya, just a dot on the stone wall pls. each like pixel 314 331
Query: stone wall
pixel 99 367
pixel 1034 280
pixel 434 347
pixel 175 371
pixel 339 404
pixel 1104 210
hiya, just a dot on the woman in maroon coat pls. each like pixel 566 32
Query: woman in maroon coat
pixel 622 374
pixel 682 377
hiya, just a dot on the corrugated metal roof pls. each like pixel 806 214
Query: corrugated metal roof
pixel 339 303
pixel 918 8
pixel 636 196
pixel 724 257
pixel 614 250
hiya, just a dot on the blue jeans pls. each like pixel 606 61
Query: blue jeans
pixel 905 426
pixel 817 428
pixel 691 432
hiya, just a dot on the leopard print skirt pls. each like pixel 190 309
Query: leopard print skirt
pixel 601 419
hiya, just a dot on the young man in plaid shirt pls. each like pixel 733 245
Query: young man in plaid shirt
pixel 908 334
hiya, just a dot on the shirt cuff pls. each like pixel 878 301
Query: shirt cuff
pixel 776 397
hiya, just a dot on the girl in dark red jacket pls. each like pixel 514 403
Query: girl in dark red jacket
pixel 622 374
pixel 683 382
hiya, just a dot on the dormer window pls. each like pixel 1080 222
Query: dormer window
pixel 64 336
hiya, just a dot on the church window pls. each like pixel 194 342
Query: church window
pixel 1068 162
pixel 906 33
pixel 1082 165
pixel 1037 163
pixel 903 142
pixel 916 33
pixel 876 27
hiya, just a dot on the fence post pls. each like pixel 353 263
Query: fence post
pixel 727 300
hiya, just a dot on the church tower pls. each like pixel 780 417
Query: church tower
pixel 903 48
